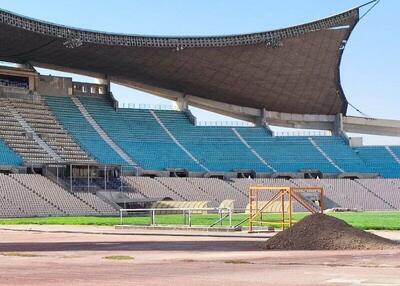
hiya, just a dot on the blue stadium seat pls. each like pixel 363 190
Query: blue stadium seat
pixel 84 134
pixel 380 160
pixel 290 153
pixel 8 157
pixel 342 154
pixel 216 147
pixel 139 135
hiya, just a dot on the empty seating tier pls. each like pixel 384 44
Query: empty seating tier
pixel 139 135
pixel 166 139
pixel 69 203
pixel 90 141
pixel 18 139
pixel 44 123
pixel 379 159
pixel 218 148
pixel 24 195
pixel 8 156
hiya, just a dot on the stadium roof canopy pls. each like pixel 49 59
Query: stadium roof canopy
pixel 292 70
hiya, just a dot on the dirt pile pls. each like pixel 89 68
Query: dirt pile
pixel 323 232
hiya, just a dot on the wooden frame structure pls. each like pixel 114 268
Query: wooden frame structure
pixel 280 193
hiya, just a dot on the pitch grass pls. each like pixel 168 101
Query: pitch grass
pixel 19 254
pixel 362 220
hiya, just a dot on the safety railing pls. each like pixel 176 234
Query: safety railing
pixel 224 214
pixel 302 133
pixel 147 106
pixel 225 123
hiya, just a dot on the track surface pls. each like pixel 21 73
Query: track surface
pixel 77 257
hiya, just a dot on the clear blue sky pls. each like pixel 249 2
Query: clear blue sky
pixel 370 66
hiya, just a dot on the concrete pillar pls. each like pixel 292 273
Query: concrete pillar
pixel 182 103
pixel 338 125
pixel 338 128
pixel 262 121
pixel 103 81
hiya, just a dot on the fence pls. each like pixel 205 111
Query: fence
pixel 148 106
pixel 186 213
pixel 302 133
pixel 225 123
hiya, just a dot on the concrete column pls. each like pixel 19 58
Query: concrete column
pixel 262 120
pixel 182 103
pixel 103 81
pixel 338 125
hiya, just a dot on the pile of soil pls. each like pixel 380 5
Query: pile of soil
pixel 323 232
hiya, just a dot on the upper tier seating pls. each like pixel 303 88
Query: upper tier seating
pixel 396 150
pixel 288 154
pixel 8 157
pixel 139 135
pixel 342 154
pixel 379 159
pixel 15 136
pixel 146 142
pixel 37 115
pixel 71 118
pixel 218 148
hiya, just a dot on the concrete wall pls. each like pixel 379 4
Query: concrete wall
pixel 53 85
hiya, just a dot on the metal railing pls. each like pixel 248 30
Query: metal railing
pixel 148 106
pixel 187 214
pixel 225 123
pixel 302 133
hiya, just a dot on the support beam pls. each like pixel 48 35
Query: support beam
pixel 372 126
pixel 302 121
pixel 239 112
pixel 338 124
pixel 104 81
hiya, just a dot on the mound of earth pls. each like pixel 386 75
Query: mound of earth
pixel 323 232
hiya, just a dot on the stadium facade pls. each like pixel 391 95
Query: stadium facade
pixel 77 137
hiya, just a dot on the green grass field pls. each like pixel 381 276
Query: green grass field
pixel 362 220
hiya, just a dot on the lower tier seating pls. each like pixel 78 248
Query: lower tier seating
pixel 365 194
pixel 24 195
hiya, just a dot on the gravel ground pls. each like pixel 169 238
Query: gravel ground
pixel 82 256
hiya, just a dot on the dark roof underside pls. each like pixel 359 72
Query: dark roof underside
pixel 293 70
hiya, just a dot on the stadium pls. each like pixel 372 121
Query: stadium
pixel 71 153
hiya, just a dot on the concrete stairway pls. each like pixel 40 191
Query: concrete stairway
pixel 395 157
pixel 177 142
pixel 376 195
pixel 325 155
pixel 102 133
pixel 35 137
pixel 262 160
